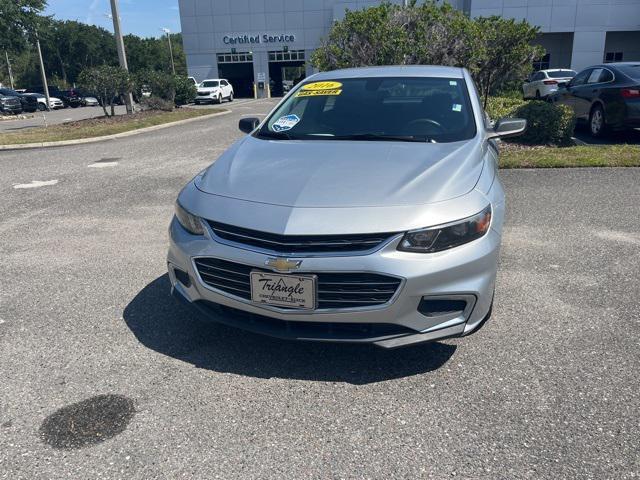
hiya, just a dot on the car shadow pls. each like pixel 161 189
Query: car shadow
pixel 164 325
pixel 628 137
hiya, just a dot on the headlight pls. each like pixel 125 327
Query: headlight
pixel 189 222
pixel 443 237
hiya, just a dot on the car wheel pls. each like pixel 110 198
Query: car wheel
pixel 42 107
pixel 231 97
pixel 219 99
pixel 538 95
pixel 597 125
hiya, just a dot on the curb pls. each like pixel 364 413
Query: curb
pixel 80 141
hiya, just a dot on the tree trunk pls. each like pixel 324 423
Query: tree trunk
pixel 112 108
pixel 103 103
pixel 486 91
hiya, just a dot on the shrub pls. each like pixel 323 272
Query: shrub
pixel 185 90
pixel 161 84
pixel 107 83
pixel 156 103
pixel 498 107
pixel 547 124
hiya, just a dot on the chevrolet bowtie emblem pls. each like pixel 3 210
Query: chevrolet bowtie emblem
pixel 283 264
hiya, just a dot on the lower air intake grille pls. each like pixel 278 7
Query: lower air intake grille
pixel 335 290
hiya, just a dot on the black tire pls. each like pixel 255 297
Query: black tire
pixel 219 100
pixel 231 97
pixel 42 107
pixel 538 97
pixel 597 122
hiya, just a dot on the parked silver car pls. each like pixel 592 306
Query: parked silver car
pixel 366 207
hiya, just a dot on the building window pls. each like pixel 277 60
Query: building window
pixel 290 56
pixel 240 57
pixel 613 57
pixel 542 63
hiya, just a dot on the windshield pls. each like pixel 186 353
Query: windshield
pixel 376 108
pixel 8 91
pixel 209 84
pixel 562 74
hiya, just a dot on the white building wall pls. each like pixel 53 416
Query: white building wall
pixel 589 19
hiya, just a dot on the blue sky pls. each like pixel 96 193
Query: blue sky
pixel 141 17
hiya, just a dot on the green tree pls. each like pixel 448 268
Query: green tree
pixel 17 17
pixel 507 52
pixel 494 50
pixel 106 83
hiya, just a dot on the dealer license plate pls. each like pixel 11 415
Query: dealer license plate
pixel 295 291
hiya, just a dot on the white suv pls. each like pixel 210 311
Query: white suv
pixel 543 83
pixel 214 90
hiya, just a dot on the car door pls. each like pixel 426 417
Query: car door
pixel 582 94
pixel 568 96
pixel 531 86
pixel 585 94
pixel 526 86
pixel 226 90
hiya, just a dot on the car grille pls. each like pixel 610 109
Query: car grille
pixel 200 92
pixel 335 290
pixel 11 102
pixel 300 244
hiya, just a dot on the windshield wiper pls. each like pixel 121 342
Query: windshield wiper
pixel 388 138
pixel 273 135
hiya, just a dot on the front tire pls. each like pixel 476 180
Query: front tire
pixel 219 100
pixel 231 97
pixel 42 107
pixel 597 124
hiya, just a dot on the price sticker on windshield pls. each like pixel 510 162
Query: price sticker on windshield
pixel 316 89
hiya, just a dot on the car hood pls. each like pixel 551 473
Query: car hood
pixel 331 173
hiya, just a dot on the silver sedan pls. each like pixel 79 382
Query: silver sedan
pixel 366 207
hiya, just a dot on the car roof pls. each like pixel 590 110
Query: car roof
pixel 213 79
pixel 393 71
pixel 557 70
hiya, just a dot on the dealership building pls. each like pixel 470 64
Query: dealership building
pixel 267 43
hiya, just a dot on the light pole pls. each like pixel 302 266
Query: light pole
pixel 168 32
pixel 45 86
pixel 9 68
pixel 122 57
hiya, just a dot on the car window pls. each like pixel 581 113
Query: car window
pixel 594 76
pixel 537 76
pixel 210 84
pixel 437 109
pixel 632 70
pixel 581 78
pixel 605 76
pixel 562 74
pixel 224 83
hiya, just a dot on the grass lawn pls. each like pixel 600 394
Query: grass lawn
pixel 100 126
pixel 513 156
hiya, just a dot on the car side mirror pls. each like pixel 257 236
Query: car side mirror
pixel 248 125
pixel 508 127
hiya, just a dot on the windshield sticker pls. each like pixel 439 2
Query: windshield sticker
pixel 320 89
pixel 453 83
pixel 285 123
pixel 456 107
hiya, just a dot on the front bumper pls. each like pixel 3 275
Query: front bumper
pixel 465 272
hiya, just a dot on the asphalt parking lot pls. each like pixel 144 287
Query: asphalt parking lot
pixel 54 117
pixel 105 376
pixel 64 115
